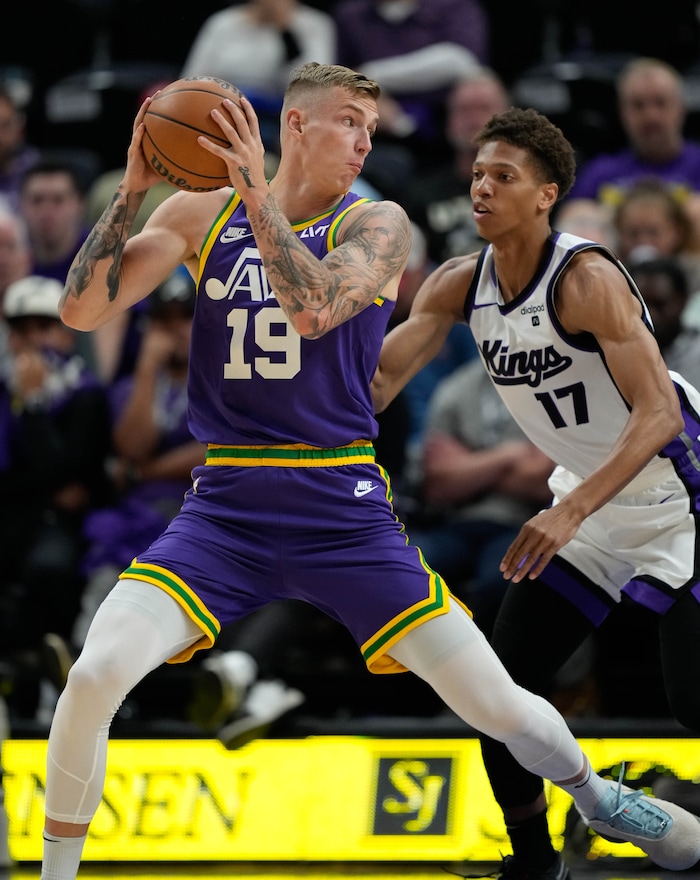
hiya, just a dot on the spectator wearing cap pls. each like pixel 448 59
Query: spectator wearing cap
pixel 154 454
pixel 54 442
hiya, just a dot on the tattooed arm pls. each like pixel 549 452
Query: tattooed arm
pixel 318 295
pixel 112 271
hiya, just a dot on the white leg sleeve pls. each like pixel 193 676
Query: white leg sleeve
pixel 136 628
pixel 452 655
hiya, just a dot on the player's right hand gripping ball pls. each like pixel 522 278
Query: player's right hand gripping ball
pixel 175 118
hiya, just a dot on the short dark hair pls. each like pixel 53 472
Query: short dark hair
pixel 48 164
pixel 551 153
pixel 669 267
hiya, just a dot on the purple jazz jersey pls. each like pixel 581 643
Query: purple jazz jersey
pixel 291 502
pixel 253 379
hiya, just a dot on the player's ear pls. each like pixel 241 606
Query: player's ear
pixel 295 120
pixel 548 195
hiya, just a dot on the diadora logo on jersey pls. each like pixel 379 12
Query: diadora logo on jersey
pixel 364 487
pixel 247 277
pixel 522 367
pixel 234 233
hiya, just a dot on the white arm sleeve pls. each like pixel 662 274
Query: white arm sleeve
pixel 423 70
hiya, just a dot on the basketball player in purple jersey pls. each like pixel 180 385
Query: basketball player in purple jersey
pixel 567 341
pixel 296 279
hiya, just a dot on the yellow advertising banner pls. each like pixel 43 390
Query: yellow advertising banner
pixel 315 799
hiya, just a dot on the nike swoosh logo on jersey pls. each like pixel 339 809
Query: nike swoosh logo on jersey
pixel 364 488
pixel 234 233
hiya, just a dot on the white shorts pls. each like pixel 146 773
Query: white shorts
pixel 644 542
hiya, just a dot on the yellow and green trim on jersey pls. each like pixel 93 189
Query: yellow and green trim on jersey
pixel 290 455
pixel 374 650
pixel 185 597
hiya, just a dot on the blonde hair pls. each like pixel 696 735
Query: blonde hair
pixel 313 77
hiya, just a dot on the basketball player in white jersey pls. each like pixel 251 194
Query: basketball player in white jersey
pixel 567 340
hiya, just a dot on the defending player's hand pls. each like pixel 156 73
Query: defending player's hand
pixel 537 542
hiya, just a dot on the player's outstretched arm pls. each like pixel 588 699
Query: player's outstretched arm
pixel 439 304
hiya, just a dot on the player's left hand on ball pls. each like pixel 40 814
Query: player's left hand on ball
pixel 139 175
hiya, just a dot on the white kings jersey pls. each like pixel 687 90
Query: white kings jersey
pixel 557 386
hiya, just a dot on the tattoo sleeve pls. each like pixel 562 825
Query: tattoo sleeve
pixel 105 242
pixel 374 250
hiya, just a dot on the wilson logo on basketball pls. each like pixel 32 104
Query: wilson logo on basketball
pixel 177 180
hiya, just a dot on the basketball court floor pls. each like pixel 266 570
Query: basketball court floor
pixel 638 870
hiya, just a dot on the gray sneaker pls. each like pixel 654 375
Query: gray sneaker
pixel 667 833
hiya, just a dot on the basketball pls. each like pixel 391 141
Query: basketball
pixel 175 118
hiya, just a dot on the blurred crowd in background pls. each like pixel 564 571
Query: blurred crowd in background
pixel 95 453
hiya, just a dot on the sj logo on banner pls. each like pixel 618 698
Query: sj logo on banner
pixel 413 796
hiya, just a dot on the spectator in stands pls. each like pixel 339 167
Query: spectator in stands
pixel 14 261
pixel 15 256
pixel 663 282
pixel 54 442
pixel 52 205
pixel 439 201
pixel 415 49
pixel 652 220
pixel 256 45
pixel 16 155
pixel 479 479
pixel 588 218
pixel 52 202
pixel 652 111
